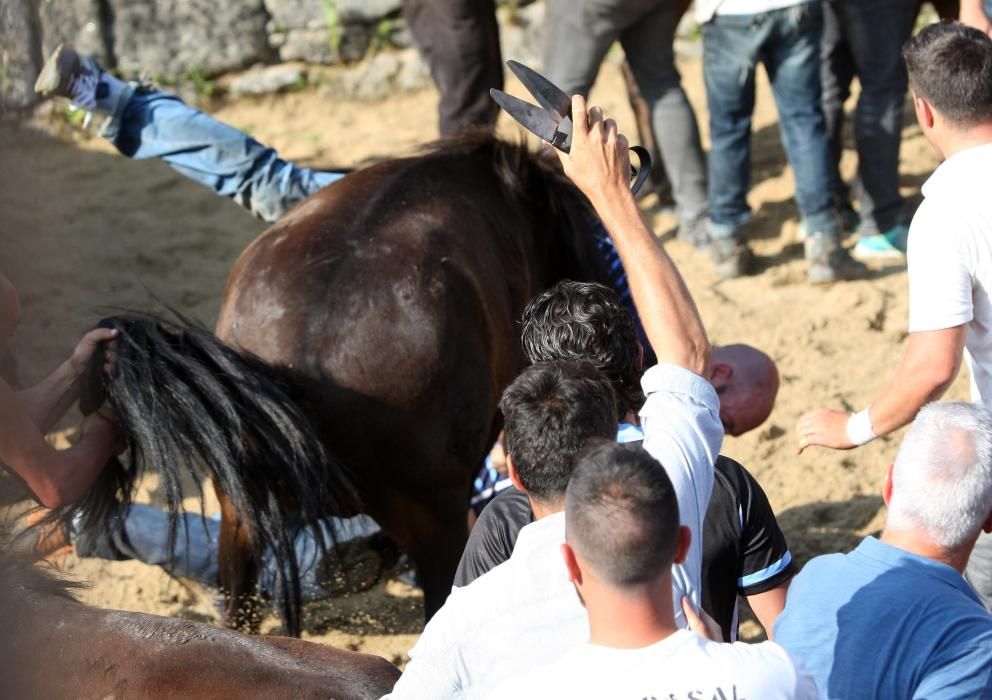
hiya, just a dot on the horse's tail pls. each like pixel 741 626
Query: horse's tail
pixel 189 403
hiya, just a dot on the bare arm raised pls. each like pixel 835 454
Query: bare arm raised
pixel 599 164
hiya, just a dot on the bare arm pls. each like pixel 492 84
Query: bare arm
pixel 599 164
pixel 55 477
pixel 767 605
pixel 927 368
pixel 46 402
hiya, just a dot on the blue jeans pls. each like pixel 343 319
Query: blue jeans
pixel 787 42
pixel 153 124
pixel 853 45
pixel 578 35
pixel 143 535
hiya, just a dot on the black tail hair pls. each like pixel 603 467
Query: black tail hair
pixel 186 401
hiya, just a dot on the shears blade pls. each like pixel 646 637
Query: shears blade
pixel 549 126
pixel 552 120
pixel 547 94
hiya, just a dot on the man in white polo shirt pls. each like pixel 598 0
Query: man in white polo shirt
pixel 622 534
pixel 950 253
pixel 524 612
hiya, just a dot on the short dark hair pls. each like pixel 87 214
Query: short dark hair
pixel 621 514
pixel 552 409
pixel 585 321
pixel 950 66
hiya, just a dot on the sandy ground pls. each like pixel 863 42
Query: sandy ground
pixel 83 230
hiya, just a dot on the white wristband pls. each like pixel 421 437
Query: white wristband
pixel 859 428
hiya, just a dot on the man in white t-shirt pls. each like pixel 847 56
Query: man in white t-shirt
pixel 622 536
pixel 524 613
pixel 950 252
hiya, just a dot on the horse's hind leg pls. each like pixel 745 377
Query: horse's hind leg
pixel 237 570
pixel 439 533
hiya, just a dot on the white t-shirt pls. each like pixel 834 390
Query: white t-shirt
pixel 705 9
pixel 950 259
pixel 683 666
pixel 524 613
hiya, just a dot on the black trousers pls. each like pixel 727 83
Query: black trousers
pixel 459 39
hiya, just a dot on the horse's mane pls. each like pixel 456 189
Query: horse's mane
pixel 21 572
pixel 536 180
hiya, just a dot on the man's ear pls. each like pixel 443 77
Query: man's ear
pixel 511 471
pixel 924 112
pixel 682 549
pixel 571 564
pixel 720 374
pixel 888 485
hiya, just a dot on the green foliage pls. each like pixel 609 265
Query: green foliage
pixel 4 75
pixel 204 86
pixel 333 26
pixel 383 31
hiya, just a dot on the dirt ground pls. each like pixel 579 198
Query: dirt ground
pixel 83 230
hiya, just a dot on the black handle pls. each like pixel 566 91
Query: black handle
pixel 640 174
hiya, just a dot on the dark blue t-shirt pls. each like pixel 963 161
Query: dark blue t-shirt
pixel 881 622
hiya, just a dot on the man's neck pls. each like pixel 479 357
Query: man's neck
pixel 956 141
pixel 634 619
pixel 543 509
pixel 916 543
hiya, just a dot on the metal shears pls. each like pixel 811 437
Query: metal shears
pixel 551 118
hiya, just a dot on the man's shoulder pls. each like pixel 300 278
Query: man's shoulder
pixel 492 539
pixel 949 217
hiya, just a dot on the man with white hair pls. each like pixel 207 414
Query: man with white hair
pixel 895 618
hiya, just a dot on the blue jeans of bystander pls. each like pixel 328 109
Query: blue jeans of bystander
pixel 787 42
pixel 153 124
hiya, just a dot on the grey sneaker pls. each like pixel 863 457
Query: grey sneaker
pixel 67 74
pixel 731 258
pixel 829 261
pixel 694 232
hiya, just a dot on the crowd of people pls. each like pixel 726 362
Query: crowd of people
pixel 610 560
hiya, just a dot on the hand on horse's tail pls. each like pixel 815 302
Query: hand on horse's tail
pixel 90 344
pixel 599 159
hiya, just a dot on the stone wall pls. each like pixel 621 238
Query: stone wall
pixel 198 39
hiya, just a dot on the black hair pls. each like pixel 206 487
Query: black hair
pixel 552 409
pixel 190 405
pixel 950 66
pixel 621 514
pixel 585 321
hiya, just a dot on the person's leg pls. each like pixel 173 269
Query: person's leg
pixel 792 60
pixel 730 50
pixel 576 38
pixel 144 534
pixel 648 44
pixel 836 73
pixel 155 124
pixel 148 123
pixel 459 40
pixel 877 57
pixel 658 183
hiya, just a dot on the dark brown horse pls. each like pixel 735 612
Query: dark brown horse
pixel 52 646
pixel 378 319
